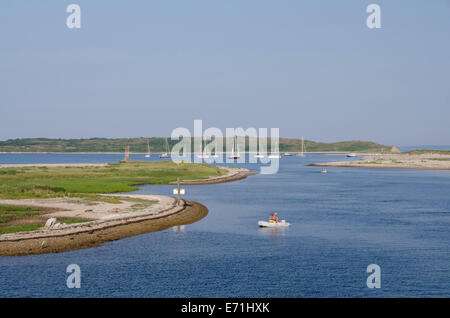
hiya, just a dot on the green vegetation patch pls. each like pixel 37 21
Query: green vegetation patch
pixel 18 210
pixel 73 220
pixel 20 228
pixel 5 220
pixel 34 182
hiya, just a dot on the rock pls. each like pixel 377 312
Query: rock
pixel 395 149
pixel 50 222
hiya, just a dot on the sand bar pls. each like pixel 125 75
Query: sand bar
pixel 427 161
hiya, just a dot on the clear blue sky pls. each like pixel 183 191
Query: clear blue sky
pixel 142 68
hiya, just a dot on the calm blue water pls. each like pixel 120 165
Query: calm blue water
pixel 341 222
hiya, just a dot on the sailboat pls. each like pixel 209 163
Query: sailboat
pixel 274 155
pixel 259 154
pixel 148 150
pixel 302 153
pixel 165 155
pixel 235 153
pixel 204 154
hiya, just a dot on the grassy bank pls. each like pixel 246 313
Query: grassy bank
pixel 49 182
pixel 15 218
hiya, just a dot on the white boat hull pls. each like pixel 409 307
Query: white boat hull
pixel 283 223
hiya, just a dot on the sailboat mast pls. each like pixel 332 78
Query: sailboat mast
pixel 303 147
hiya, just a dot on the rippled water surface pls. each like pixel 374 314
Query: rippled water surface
pixel 342 221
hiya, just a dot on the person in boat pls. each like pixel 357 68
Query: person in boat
pixel 275 218
pixel 271 219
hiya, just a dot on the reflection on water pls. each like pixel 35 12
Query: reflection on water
pixel 179 228
pixel 273 231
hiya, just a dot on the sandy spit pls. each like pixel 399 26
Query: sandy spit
pixel 89 236
pixel 395 161
pixel 233 174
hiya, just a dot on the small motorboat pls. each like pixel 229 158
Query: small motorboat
pixel 324 170
pixel 288 154
pixel 351 155
pixel 282 223
pixel 274 156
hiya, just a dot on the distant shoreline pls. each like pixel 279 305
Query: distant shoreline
pixel 427 161
pixel 157 153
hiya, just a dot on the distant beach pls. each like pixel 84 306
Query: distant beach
pixel 425 161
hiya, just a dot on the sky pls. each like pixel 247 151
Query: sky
pixel 310 68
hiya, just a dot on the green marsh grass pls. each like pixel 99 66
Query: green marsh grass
pixel 34 182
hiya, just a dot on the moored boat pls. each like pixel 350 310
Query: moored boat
pixel 282 223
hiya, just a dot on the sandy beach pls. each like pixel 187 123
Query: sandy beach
pixel 427 161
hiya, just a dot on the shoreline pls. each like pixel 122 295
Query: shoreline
pixel 21 165
pixel 160 152
pixel 331 164
pixel 233 174
pixel 95 233
pixel 107 221
pixel 400 161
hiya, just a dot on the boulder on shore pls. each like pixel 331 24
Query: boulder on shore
pixel 395 149
pixel 50 222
